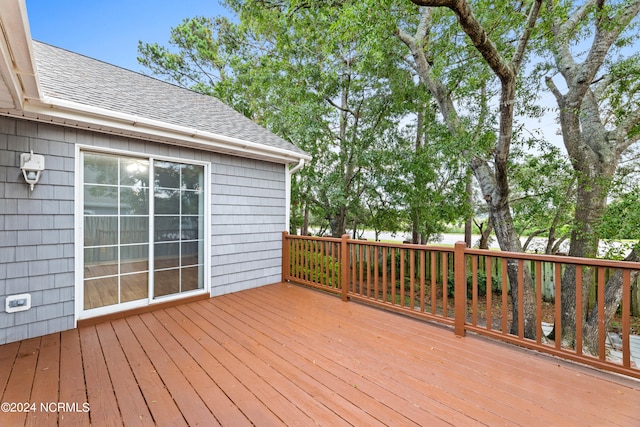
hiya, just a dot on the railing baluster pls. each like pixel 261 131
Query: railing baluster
pixel 321 265
pixel 558 304
pixel 474 290
pixel 521 315
pixel 412 274
pixel 393 276
pixel 489 274
pixel 369 268
pixel 579 303
pixel 403 254
pixel 434 282
pixel 376 274
pixel 314 261
pixel 538 270
pixel 423 272
pixel 445 283
pixel 344 272
pixel 460 288
pixel 384 274
pixel 305 255
pixel 601 320
pixel 296 258
pixel 626 314
pixel 354 263
pixel 505 283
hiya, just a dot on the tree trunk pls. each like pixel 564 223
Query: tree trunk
pixel 612 298
pixel 494 183
pixel 593 144
pixel 305 222
pixel 468 225
pixel 509 241
pixel 485 233
pixel 339 222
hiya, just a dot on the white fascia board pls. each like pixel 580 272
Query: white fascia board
pixel 17 65
pixel 94 118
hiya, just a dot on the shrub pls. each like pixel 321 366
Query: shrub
pixel 496 285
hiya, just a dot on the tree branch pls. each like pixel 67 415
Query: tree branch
pixel 533 236
pixel 479 37
pixel 602 41
pixel 629 141
pixel 555 91
pixel 563 30
pixel 338 107
pixel 526 34
pixel 601 85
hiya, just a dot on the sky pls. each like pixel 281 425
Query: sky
pixel 109 30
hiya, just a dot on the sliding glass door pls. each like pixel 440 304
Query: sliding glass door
pixel 143 229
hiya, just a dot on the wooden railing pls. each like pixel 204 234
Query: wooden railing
pixel 470 290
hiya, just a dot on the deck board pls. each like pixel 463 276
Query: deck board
pixel 159 401
pixel 132 406
pixel 45 383
pixel 287 355
pixel 104 406
pixel 72 387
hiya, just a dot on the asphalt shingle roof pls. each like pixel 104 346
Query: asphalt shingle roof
pixel 73 77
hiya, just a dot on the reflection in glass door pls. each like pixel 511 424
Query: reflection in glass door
pixel 178 228
pixel 120 262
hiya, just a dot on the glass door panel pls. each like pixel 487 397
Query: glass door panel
pixel 124 197
pixel 116 229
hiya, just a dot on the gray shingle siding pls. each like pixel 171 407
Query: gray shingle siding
pixel 248 214
pixel 37 236
pixel 37 232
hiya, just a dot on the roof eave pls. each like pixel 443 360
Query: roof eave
pixel 17 63
pixel 78 115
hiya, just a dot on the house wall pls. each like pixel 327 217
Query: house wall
pixel 37 247
pixel 36 231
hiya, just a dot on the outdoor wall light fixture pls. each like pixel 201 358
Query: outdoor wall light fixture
pixel 32 166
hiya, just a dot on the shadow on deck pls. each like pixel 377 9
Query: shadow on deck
pixel 287 355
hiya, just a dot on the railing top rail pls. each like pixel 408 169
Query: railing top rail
pixel 325 239
pixel 402 245
pixel 561 259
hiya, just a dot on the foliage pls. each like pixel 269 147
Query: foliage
pixel 542 192
pixel 496 285
pixel 316 267
pixel 334 78
pixel 620 222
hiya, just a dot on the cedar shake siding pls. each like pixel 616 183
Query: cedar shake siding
pixel 37 229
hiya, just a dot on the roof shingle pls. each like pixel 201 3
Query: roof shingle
pixel 73 77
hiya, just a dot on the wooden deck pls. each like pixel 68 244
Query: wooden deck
pixel 286 355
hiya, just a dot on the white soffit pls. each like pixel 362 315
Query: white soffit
pixel 17 66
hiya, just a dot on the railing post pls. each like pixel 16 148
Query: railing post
pixel 344 251
pixel 460 288
pixel 285 255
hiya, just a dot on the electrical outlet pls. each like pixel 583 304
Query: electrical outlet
pixel 14 303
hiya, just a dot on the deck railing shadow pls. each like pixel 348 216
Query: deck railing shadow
pixel 470 290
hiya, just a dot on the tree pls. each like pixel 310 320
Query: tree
pixel 543 196
pixel 493 179
pixel 600 119
pixel 305 70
